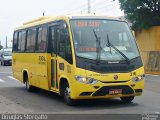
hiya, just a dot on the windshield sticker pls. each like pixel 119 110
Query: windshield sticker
pixel 87 49
pixel 87 24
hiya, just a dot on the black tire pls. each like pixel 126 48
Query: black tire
pixel 66 95
pixel 2 63
pixel 127 99
pixel 29 87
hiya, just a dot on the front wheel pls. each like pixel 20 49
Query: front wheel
pixel 127 99
pixel 66 95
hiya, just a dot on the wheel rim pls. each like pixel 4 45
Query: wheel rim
pixel 67 93
pixel 27 84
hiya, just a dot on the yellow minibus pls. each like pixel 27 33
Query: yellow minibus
pixel 78 57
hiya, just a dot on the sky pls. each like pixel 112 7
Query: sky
pixel 13 13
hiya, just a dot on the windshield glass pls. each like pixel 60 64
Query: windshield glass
pixel 7 53
pixel 91 36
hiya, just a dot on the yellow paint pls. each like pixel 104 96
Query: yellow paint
pixel 82 87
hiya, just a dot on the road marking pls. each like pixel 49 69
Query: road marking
pixel 5 72
pixel 153 75
pixel 11 77
pixel 1 80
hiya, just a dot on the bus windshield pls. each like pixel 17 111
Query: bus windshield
pixel 103 39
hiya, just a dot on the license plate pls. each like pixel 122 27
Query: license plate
pixel 115 91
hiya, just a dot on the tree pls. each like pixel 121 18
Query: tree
pixel 141 13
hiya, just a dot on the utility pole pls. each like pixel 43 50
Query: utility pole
pixel 6 41
pixel 1 46
pixel 89 6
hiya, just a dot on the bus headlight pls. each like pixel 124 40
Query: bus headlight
pixel 86 80
pixel 139 78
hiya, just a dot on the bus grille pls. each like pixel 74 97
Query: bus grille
pixel 105 90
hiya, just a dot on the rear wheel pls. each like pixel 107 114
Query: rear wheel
pixel 29 87
pixel 67 95
pixel 127 99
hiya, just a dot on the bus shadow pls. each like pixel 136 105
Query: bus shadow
pixel 42 99
pixel 108 103
pixel 88 103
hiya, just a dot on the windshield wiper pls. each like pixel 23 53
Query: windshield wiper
pixel 111 45
pixel 98 46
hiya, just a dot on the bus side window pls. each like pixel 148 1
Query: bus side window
pixel 31 40
pixel 64 49
pixel 19 40
pixel 15 41
pixel 42 39
pixel 23 41
pixel 52 38
pixel 38 47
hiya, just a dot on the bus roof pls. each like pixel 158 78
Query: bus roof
pixel 46 19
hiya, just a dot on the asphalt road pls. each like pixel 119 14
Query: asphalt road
pixel 15 99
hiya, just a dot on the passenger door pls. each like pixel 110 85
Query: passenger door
pixel 61 53
pixel 64 53
pixel 53 51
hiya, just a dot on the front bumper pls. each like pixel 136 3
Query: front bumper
pixel 101 90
